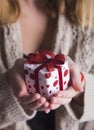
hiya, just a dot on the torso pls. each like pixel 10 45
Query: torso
pixel 34 24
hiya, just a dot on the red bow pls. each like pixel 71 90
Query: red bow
pixel 46 57
pixel 50 61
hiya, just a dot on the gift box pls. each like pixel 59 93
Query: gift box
pixel 46 73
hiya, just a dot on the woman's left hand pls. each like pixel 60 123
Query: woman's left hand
pixel 62 98
pixel 76 87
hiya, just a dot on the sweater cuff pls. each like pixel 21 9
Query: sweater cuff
pixel 87 110
pixel 10 109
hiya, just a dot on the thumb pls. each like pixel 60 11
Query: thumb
pixel 20 86
pixel 76 78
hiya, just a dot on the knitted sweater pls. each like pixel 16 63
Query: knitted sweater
pixel 79 45
pixel 70 40
pixel 10 50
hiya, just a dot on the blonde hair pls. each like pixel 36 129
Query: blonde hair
pixel 80 12
pixel 10 9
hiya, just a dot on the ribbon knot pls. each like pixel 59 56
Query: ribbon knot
pixel 47 58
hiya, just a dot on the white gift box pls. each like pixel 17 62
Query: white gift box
pixel 40 80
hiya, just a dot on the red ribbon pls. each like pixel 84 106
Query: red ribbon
pixel 50 61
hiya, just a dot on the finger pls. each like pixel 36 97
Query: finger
pixel 43 107
pixel 54 106
pixel 60 100
pixel 20 86
pixel 47 110
pixel 69 93
pixel 35 105
pixel 82 80
pixel 76 78
pixel 30 98
pixel 70 61
pixel 75 75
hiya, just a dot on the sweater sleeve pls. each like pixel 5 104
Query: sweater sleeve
pixel 85 112
pixel 10 109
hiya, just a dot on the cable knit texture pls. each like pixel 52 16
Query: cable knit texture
pixel 79 45
pixel 70 40
pixel 10 50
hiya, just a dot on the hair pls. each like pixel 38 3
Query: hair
pixel 10 9
pixel 80 12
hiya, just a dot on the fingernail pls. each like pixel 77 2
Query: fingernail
pixel 82 76
pixel 47 111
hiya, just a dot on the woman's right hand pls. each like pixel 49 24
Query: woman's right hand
pixel 17 83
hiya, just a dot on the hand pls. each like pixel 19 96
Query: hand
pixel 76 76
pixel 17 83
pixel 62 98
pixel 75 89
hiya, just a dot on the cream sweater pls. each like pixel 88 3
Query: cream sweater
pixel 71 41
pixel 79 45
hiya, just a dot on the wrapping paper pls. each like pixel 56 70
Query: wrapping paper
pixel 46 73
